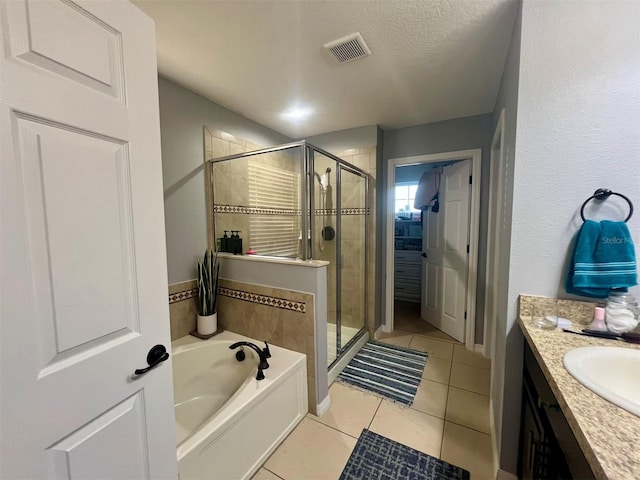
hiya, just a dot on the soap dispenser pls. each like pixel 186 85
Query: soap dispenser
pixel 236 244
pixel 598 323
pixel 224 242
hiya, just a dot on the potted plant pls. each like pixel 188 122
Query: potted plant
pixel 208 274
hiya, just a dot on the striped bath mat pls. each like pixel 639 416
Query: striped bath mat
pixel 390 371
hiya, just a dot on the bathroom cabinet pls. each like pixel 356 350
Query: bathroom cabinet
pixel 548 449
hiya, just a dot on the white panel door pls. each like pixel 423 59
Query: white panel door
pixel 445 241
pixel 84 279
pixel 431 307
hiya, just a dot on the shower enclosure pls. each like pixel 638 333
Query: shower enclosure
pixel 299 201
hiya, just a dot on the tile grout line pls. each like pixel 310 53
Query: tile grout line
pixel 448 342
pixel 470 391
pixel 274 473
pixel 461 388
pixel 471 366
pixel 468 427
pixel 332 427
pixel 446 407
pixel 374 415
pixel 465 389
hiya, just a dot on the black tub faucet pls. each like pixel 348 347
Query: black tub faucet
pixel 263 365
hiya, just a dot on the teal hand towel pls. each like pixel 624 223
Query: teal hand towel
pixel 603 259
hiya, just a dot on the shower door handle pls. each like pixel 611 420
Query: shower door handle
pixel 155 357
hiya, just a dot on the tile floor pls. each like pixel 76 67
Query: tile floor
pixel 449 418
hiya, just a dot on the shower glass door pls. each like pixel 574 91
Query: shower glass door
pixel 352 254
pixel 323 188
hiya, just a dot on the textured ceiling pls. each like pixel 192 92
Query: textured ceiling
pixel 431 60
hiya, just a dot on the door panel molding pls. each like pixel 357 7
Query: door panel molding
pixel 84 271
pixel 97 62
pixel 88 449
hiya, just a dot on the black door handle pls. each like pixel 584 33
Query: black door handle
pixel 156 356
pixel 424 255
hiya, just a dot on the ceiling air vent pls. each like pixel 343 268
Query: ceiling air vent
pixel 348 48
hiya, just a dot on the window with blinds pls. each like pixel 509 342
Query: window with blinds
pixel 275 227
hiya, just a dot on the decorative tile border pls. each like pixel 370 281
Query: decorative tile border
pixel 343 211
pixel 179 296
pixel 276 302
pixel 217 208
pixel 254 210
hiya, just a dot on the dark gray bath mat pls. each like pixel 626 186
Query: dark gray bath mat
pixel 390 371
pixel 379 458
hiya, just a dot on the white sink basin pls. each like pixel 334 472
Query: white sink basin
pixel 611 372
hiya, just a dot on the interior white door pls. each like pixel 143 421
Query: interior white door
pixel 446 264
pixel 84 279
pixel 431 305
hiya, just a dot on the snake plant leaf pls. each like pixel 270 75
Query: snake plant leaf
pixel 208 279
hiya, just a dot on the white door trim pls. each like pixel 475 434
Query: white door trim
pixel 475 155
pixel 493 237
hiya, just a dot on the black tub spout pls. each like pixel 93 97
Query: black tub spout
pixel 261 354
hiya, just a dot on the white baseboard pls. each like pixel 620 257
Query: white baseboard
pixel 478 347
pixel 379 332
pixel 323 406
pixel 344 361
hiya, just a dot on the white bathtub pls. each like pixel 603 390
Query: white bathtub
pixel 227 422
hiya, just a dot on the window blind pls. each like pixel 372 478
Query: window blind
pixel 276 191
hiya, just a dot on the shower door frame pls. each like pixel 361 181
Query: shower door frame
pixel 307 204
pixel 341 164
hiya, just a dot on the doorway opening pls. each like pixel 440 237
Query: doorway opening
pixel 432 256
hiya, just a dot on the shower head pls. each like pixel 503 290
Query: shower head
pixel 324 179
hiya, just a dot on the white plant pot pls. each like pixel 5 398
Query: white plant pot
pixel 207 324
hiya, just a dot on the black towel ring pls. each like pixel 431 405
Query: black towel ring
pixel 603 194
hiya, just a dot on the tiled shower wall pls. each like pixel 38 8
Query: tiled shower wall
pixel 231 188
pixel 282 317
pixel 353 241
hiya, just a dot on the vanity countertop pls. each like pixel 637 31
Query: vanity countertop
pixel 608 435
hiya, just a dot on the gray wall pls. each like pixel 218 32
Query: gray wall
pixel 360 137
pixel 412 173
pixel 508 342
pixel 578 124
pixel 182 116
pixel 450 135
